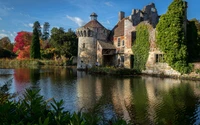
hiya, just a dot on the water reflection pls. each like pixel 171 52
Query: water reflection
pixel 140 100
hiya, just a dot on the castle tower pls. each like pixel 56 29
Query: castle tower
pixel 87 42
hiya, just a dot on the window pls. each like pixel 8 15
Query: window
pixel 153 9
pixel 119 41
pixel 122 58
pixel 133 36
pixel 122 42
pixel 159 58
pixel 83 45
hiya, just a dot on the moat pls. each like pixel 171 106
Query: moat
pixel 142 100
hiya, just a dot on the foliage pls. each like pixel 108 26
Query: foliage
pixel 5 43
pixel 16 63
pixel 25 53
pixel 35 45
pixel 4 53
pixel 65 42
pixel 193 44
pixel 48 53
pixel 171 36
pixel 32 109
pixel 22 43
pixel 197 23
pixel 4 94
pixel 141 47
pixel 37 26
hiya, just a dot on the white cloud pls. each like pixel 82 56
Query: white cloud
pixel 8 8
pixel 77 20
pixel 3 30
pixel 11 35
pixel 30 24
pixel 0 18
pixel 3 35
pixel 108 4
pixel 108 21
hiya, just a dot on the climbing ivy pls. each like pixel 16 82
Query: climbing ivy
pixel 171 36
pixel 193 43
pixel 141 47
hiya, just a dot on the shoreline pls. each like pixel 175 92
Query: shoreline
pixel 123 72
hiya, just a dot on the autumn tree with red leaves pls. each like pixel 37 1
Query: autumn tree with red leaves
pixel 22 44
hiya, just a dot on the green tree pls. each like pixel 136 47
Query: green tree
pixel 38 27
pixel 35 45
pixel 5 43
pixel 193 43
pixel 65 42
pixel 141 47
pixel 171 36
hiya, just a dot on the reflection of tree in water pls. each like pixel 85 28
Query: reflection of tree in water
pixel 57 74
pixel 34 75
pixel 177 106
pixel 139 108
pixel 21 76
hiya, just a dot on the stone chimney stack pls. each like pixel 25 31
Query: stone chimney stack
pixel 121 15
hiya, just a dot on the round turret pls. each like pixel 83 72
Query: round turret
pixel 87 42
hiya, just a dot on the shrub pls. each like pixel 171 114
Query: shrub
pixel 32 109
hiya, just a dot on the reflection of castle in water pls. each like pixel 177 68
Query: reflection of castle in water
pixel 127 95
pixel 89 90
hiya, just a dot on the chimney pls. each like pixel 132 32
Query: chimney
pixel 121 15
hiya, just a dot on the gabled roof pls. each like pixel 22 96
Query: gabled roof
pixel 119 28
pixel 93 24
pixel 106 45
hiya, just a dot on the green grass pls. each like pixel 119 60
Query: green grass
pixel 15 63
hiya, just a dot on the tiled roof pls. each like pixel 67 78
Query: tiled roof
pixel 119 28
pixel 106 45
pixel 93 24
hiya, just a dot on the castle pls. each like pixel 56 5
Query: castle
pixel 99 46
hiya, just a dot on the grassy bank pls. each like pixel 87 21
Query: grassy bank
pixel 15 63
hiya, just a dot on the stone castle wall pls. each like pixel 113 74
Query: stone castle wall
pixel 87 56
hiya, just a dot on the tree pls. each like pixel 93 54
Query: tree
pixel 35 45
pixel 171 36
pixel 22 43
pixel 45 35
pixel 65 42
pixel 38 27
pixel 5 43
pixel 193 43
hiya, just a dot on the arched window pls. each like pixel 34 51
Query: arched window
pixel 84 33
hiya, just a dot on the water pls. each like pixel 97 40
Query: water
pixel 140 100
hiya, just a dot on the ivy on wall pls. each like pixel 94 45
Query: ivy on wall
pixel 193 43
pixel 171 36
pixel 140 47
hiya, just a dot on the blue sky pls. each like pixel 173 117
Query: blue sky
pixel 19 15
